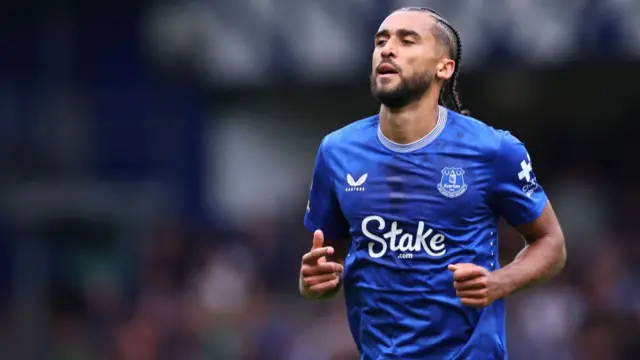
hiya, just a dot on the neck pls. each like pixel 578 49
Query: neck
pixel 410 123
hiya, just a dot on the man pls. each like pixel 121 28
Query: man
pixel 404 207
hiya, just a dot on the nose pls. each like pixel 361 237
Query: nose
pixel 388 50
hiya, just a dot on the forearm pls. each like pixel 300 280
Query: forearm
pixel 538 262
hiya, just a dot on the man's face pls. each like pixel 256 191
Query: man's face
pixel 405 59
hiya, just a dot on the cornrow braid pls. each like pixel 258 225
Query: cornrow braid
pixel 449 36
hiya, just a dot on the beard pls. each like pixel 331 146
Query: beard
pixel 407 91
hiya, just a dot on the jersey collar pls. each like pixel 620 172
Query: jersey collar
pixel 420 143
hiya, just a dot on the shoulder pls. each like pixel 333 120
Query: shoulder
pixel 355 133
pixel 508 157
pixel 480 135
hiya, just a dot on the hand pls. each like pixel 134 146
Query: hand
pixel 473 285
pixel 318 275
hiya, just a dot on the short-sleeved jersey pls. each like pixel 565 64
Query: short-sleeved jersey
pixel 408 212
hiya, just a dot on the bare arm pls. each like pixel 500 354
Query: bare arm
pixel 541 259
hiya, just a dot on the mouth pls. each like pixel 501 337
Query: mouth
pixel 386 70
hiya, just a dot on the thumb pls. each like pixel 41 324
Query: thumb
pixel 318 239
pixel 453 267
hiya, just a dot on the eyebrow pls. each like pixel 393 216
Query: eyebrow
pixel 399 32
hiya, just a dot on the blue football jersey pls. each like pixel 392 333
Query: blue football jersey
pixel 411 210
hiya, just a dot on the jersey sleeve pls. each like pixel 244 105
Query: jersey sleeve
pixel 323 210
pixel 517 196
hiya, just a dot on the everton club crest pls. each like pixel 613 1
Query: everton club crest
pixel 452 182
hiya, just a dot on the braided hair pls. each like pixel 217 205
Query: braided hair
pixel 447 35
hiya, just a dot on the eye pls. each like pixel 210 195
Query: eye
pixel 408 42
pixel 381 42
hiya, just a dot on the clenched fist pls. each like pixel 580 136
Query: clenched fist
pixel 319 277
pixel 473 285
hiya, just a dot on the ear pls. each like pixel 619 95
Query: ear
pixel 445 69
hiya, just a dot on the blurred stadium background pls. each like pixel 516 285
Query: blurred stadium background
pixel 155 159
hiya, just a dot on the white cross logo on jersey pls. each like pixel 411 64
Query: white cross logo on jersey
pixel 526 170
